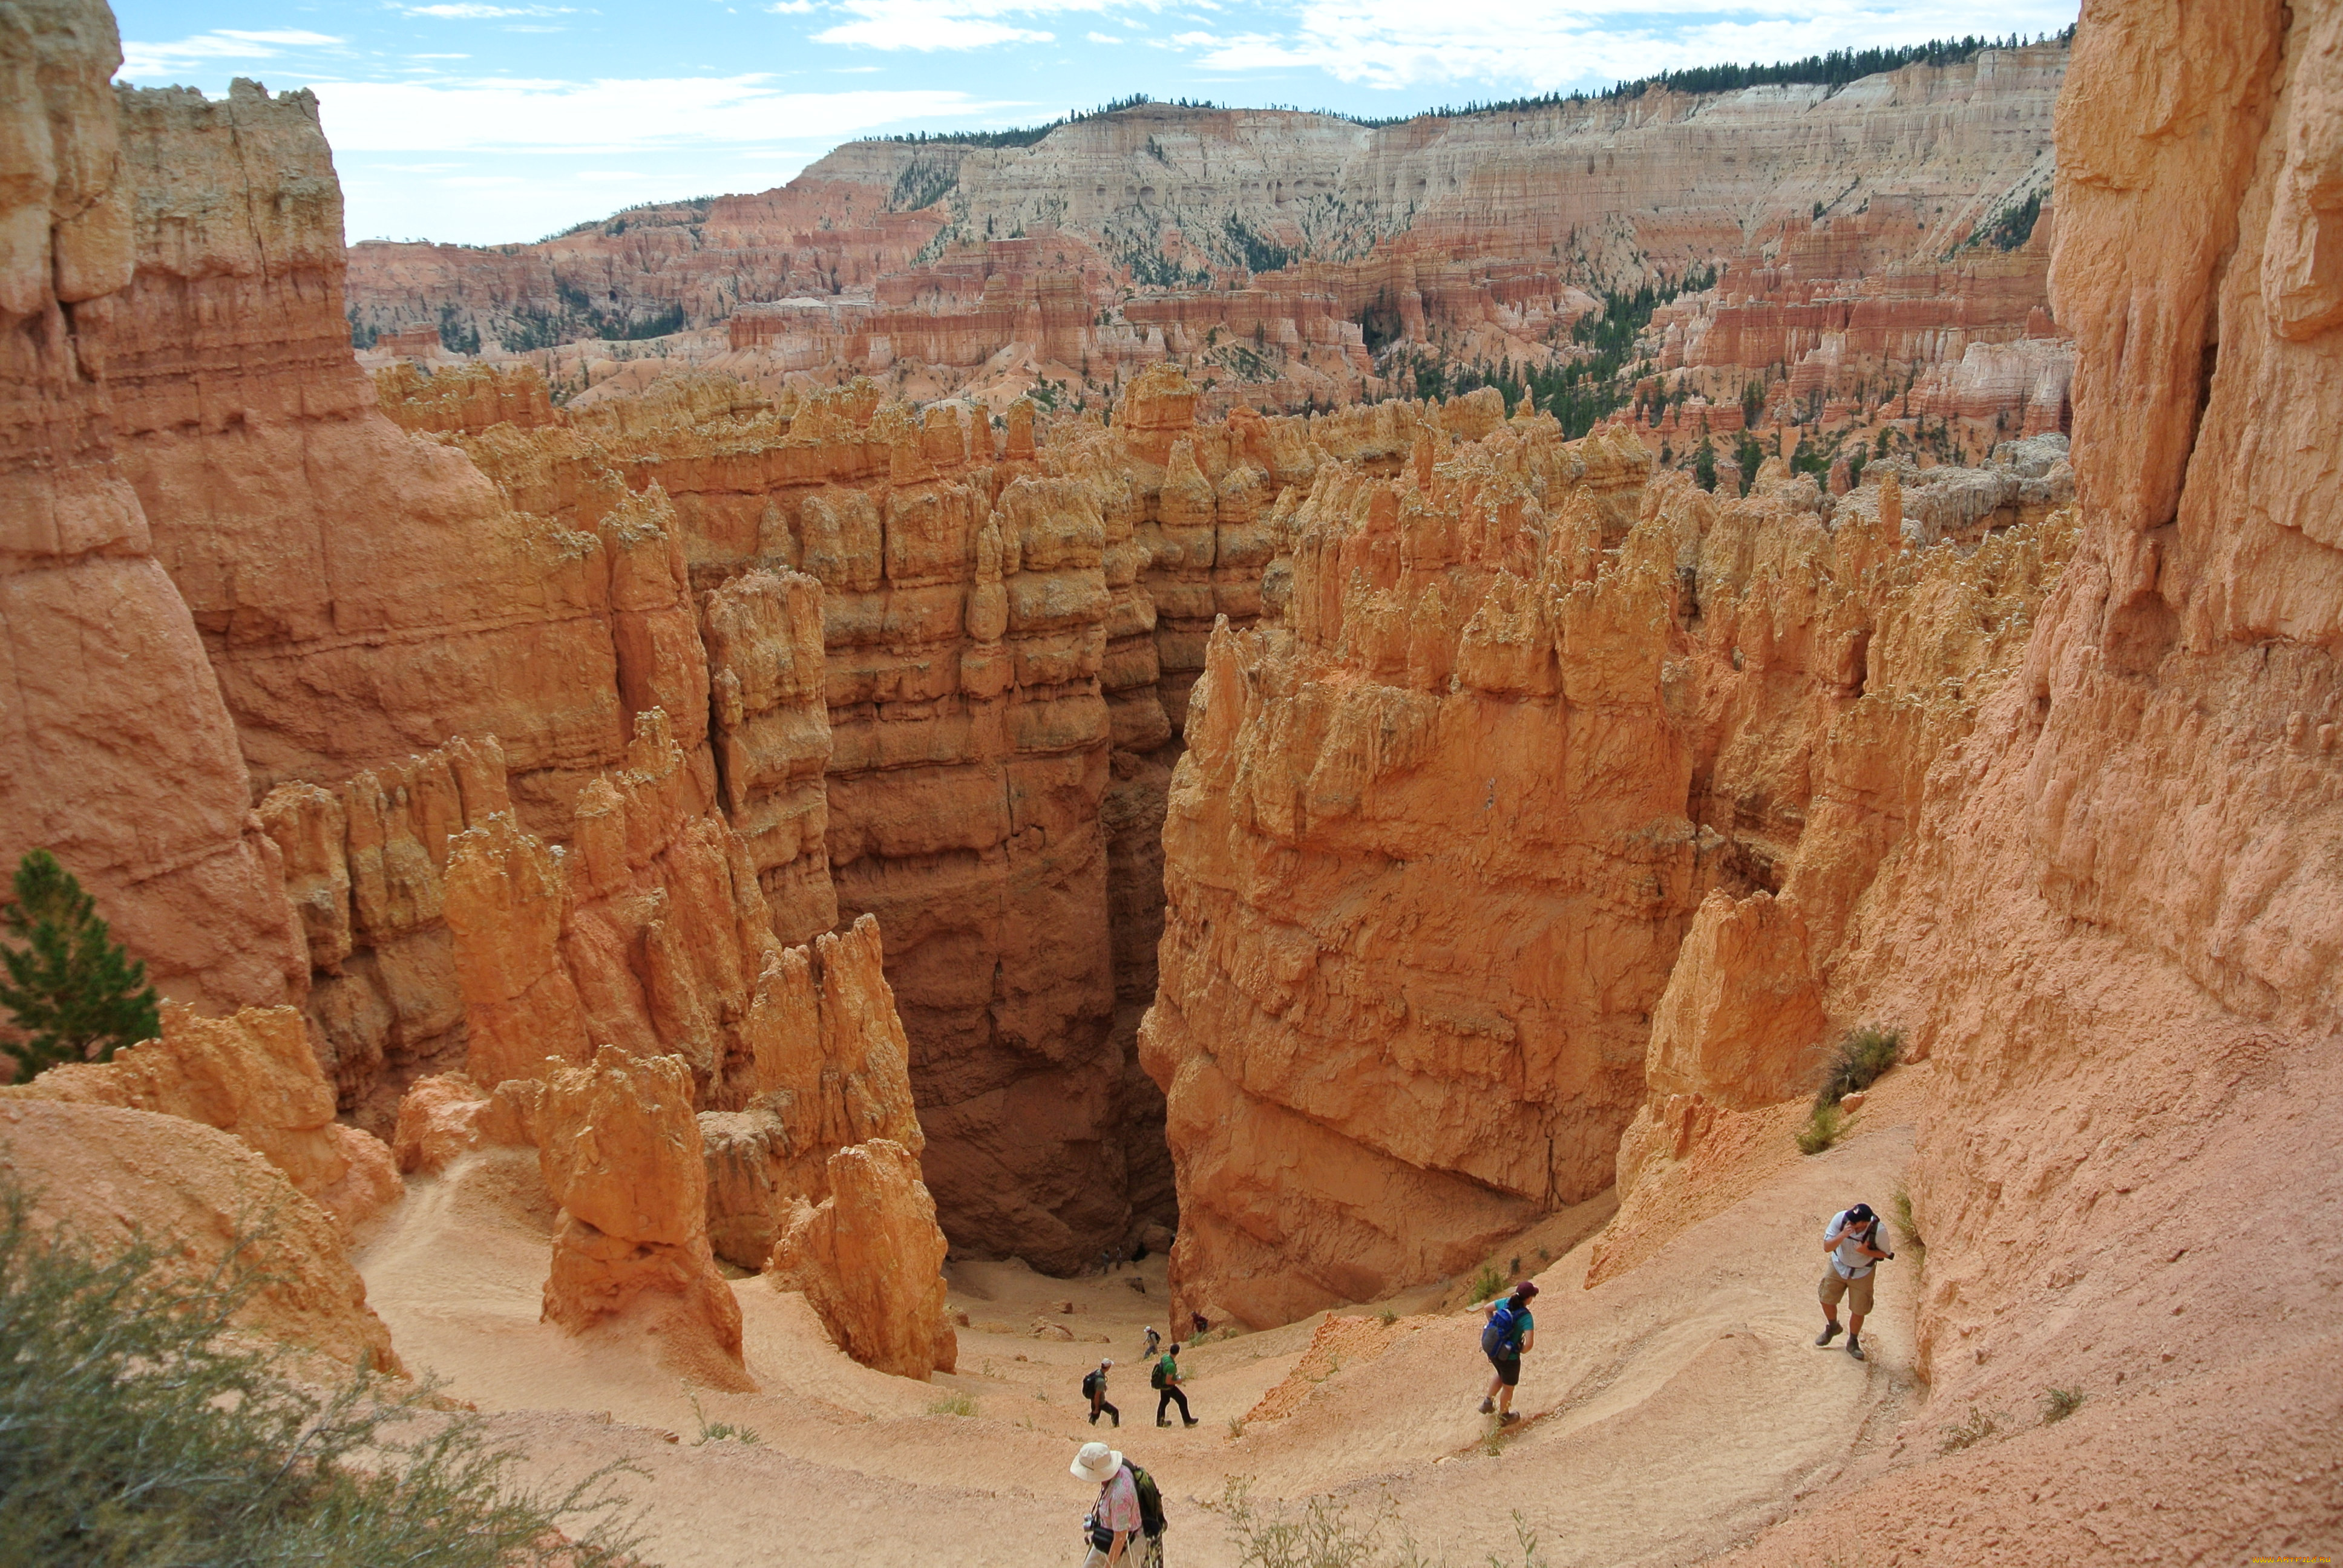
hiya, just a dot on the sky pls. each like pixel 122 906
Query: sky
pixel 487 122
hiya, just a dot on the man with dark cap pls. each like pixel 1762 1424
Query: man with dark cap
pixel 1852 1240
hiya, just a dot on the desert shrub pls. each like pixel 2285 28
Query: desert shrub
pixel 135 1428
pixel 72 991
pixel 1980 1426
pixel 720 1431
pixel 1863 1056
pixel 954 1404
pixel 1905 1225
pixel 2058 1403
pixel 1487 1283
pixel 1822 1129
pixel 1388 1316
pixel 1324 1533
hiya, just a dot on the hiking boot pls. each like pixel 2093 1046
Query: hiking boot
pixel 1855 1349
pixel 1829 1333
pixel 1187 1421
pixel 1488 1407
pixel 1162 1420
pixel 1509 1418
pixel 1093 1418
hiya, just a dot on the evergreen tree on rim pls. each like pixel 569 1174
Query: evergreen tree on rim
pixel 74 993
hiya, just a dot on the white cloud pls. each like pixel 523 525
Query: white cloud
pixel 471 13
pixel 957 23
pixel 895 25
pixel 790 8
pixel 141 58
pixel 1102 37
pixel 1550 44
pixel 614 115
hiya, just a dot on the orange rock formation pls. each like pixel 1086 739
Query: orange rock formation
pixel 254 1076
pixel 1436 849
pixel 122 758
pixel 102 1176
pixel 621 1151
pixel 870 1258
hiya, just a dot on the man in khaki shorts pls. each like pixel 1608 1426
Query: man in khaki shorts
pixel 1852 1240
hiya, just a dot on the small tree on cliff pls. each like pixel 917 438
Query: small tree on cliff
pixel 72 991
pixel 1704 465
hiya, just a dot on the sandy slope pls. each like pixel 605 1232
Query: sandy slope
pixel 1676 1411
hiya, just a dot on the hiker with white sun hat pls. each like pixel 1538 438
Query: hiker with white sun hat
pixel 1126 1524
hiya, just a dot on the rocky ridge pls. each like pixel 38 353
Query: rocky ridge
pixel 1872 235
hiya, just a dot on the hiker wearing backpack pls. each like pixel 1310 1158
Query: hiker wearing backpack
pixel 1509 1332
pixel 1126 1524
pixel 1154 1345
pixel 1166 1382
pixel 1094 1391
pixel 1852 1240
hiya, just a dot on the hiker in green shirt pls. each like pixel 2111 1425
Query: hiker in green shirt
pixel 1166 1380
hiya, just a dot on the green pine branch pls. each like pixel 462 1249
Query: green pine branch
pixel 73 993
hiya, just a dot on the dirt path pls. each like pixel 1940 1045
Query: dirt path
pixel 1674 1411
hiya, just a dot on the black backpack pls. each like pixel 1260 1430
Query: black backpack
pixel 1091 1385
pixel 1151 1502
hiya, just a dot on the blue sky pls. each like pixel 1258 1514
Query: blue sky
pixel 485 122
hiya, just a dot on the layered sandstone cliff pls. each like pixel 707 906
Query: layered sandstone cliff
pixel 249 436
pixel 119 755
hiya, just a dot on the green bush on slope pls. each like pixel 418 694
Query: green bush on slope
pixel 137 1427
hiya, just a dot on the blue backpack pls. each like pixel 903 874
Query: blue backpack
pixel 1503 1337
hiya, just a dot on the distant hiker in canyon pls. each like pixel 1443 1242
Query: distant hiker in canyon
pixel 1126 1524
pixel 1094 1391
pixel 1510 1332
pixel 1154 1343
pixel 1852 1240
pixel 1166 1380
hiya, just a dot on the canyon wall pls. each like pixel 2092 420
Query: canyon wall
pixel 946 663
pixel 2124 928
pixel 253 444
pixel 2115 925
pixel 115 749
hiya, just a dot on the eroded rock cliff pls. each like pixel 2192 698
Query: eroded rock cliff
pixel 119 755
pixel 1440 832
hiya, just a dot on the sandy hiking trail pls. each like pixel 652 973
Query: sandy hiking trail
pixel 1670 1413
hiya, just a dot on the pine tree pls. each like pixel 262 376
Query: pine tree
pixel 74 993
pixel 1704 465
